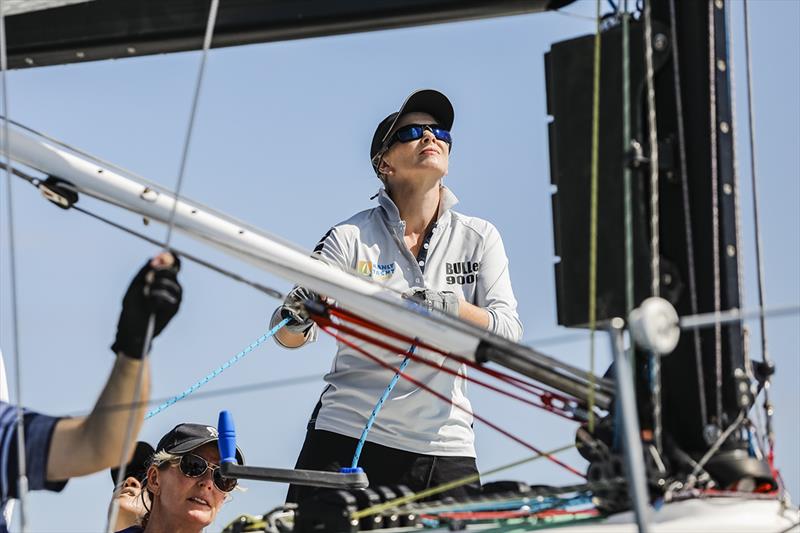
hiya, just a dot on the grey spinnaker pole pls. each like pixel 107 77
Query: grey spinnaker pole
pixel 634 457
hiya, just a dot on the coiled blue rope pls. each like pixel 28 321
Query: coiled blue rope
pixel 378 406
pixel 230 362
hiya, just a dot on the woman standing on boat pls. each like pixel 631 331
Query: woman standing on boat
pixel 414 243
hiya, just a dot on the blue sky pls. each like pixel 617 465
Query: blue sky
pixel 281 142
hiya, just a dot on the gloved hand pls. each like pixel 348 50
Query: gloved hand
pixel 154 290
pixel 444 301
pixel 293 308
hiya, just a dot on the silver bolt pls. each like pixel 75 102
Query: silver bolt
pixel 719 4
pixel 131 50
pixel 29 60
pixel 744 400
pixel 738 373
pixel 724 127
pixel 721 65
pixel 731 249
pixel 617 323
pixel 742 387
pixel 660 42
pixel 80 55
pixel 726 188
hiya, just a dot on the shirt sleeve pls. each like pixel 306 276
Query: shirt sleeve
pixel 331 250
pixel 494 292
pixel 38 435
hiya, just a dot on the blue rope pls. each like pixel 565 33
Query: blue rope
pixel 230 362
pixel 378 406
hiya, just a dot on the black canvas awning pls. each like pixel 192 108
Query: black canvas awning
pixel 48 32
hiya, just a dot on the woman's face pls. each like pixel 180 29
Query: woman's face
pixel 422 160
pixel 131 507
pixel 184 500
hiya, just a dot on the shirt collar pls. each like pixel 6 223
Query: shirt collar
pixel 446 201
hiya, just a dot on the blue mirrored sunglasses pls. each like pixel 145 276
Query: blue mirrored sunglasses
pixel 412 132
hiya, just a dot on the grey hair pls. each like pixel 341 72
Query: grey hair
pixel 162 456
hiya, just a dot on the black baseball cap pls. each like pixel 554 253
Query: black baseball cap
pixel 428 101
pixel 184 438
pixel 137 467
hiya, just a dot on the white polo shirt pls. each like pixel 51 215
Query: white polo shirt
pixel 461 254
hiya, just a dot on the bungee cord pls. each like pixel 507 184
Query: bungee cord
pixel 22 475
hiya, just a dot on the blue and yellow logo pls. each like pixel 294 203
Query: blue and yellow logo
pixel 375 270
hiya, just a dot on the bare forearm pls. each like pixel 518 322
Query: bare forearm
pixel 81 446
pixel 473 314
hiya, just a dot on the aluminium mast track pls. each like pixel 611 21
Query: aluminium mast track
pixel 289 262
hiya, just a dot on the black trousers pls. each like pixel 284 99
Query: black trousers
pixel 324 450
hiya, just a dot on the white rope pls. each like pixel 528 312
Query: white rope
pixel 22 479
pixel 715 207
pixel 655 267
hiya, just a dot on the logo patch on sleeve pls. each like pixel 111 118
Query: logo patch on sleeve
pixel 375 270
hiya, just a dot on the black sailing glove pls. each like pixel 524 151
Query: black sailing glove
pixel 293 308
pixel 154 290
pixel 444 301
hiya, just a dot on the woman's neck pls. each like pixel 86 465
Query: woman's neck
pixel 418 208
pixel 161 523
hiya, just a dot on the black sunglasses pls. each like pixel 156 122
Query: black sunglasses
pixel 192 465
pixel 412 132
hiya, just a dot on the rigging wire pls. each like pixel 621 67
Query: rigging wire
pixel 210 23
pixel 768 407
pixel 655 257
pixel 692 479
pixel 274 293
pixel 687 213
pixel 212 18
pixel 22 475
pixel 593 212
pixel 225 391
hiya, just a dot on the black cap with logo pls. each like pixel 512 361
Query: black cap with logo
pixel 184 438
pixel 428 101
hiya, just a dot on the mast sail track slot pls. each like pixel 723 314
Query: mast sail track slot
pixel 282 259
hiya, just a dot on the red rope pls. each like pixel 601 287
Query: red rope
pixel 421 385
pixel 545 398
pixel 508 378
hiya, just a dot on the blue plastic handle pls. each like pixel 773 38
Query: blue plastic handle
pixel 227 438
